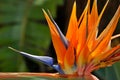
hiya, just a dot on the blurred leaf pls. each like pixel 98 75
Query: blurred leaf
pixel 5 64
pixel 36 10
pixel 22 26
pixel 110 74
pixel 117 70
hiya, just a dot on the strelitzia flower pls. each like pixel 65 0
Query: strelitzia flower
pixel 82 50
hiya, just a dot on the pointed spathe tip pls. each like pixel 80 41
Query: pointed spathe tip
pixel 74 3
pixel 14 49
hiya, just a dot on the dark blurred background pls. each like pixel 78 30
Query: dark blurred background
pixel 23 26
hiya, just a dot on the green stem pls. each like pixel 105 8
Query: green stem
pixel 24 24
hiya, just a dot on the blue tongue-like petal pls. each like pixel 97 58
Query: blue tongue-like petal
pixel 44 59
pixel 58 68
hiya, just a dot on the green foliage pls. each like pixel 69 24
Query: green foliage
pixel 109 73
pixel 22 26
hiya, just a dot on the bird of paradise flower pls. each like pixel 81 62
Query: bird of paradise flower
pixel 82 50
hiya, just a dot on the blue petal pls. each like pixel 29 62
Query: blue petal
pixel 45 59
pixel 58 68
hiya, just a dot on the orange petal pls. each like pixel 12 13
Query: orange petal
pixel 116 57
pixel 106 54
pixel 72 27
pixel 83 13
pixel 83 57
pixel 107 34
pixel 57 42
pixel 92 20
pixel 93 16
pixel 82 36
pixel 113 24
pixel 110 59
pixel 93 32
pixel 82 31
pixel 69 59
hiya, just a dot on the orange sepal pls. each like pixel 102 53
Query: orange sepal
pixel 72 27
pixel 92 20
pixel 93 16
pixel 57 42
pixel 69 59
pixel 107 54
pixel 82 36
pixel 106 35
pixel 91 42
